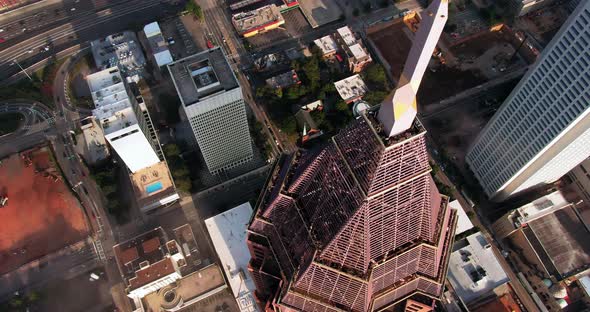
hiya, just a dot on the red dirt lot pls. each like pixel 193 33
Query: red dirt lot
pixel 41 216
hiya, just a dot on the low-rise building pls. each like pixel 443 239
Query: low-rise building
pixel 547 231
pixel 166 274
pixel 351 89
pixel 283 80
pixel 92 144
pixel 248 5
pixel 327 46
pixel 157 44
pixel 253 22
pixel 474 272
pixel 228 234
pixel 357 55
pixel 128 129
pixel 120 49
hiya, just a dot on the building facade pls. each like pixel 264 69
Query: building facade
pixel 542 130
pixel 213 104
pixel 359 224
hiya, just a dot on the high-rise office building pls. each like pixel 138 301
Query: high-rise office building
pixel 212 102
pixel 542 130
pixel 359 224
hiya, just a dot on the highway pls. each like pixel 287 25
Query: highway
pixel 27 49
pixel 37 119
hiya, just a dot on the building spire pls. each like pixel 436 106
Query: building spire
pixel 399 109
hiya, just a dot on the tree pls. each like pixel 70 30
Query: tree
pixel 356 12
pixel 171 150
pixel 367 7
pixel 375 97
pixel 195 9
pixel 375 74
pixel 311 68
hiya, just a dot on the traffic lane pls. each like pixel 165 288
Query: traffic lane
pixel 20 27
pixel 32 46
pixel 66 38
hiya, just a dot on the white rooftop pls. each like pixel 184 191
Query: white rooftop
pixel 327 44
pixel 347 35
pixel 474 270
pixel 542 206
pixel 152 29
pixel 133 147
pixel 163 58
pixel 228 233
pixel 357 51
pixel 463 222
pixel 351 87
pixel 113 107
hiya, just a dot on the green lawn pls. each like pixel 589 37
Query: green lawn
pixel 9 122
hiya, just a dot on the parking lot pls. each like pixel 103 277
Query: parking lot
pixel 180 42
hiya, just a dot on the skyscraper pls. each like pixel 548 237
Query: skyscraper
pixel 357 225
pixel 212 102
pixel 542 130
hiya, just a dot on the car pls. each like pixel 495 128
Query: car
pixel 2 40
pixel 210 44
pixel 29 51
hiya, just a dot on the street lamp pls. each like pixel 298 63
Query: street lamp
pixel 22 69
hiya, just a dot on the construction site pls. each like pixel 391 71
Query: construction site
pixel 39 213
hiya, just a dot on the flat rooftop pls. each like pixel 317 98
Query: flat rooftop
pixel 201 75
pixel 542 206
pixel 351 87
pixel 111 99
pixel 327 44
pixel 463 221
pixel 347 35
pixel 158 45
pixel 228 233
pixel 284 80
pixel 258 18
pixel 121 49
pixel 132 146
pixel 187 291
pixel 358 51
pixel 474 270
pixel 561 241
pixel 152 183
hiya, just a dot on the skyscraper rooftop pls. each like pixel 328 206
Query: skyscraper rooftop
pixel 201 75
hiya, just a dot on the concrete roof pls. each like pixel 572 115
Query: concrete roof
pixel 347 35
pixel 351 87
pixel 469 256
pixel 247 21
pixel 133 147
pixel 152 29
pixel 228 233
pixel 163 58
pixel 327 44
pixel 211 63
pixel 541 207
pixel 463 222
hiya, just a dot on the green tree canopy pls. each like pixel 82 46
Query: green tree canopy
pixel 195 9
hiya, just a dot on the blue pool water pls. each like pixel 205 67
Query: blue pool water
pixel 153 187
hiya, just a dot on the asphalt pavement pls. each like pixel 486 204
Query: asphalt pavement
pixel 47 41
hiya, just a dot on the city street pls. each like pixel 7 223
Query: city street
pixel 86 26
